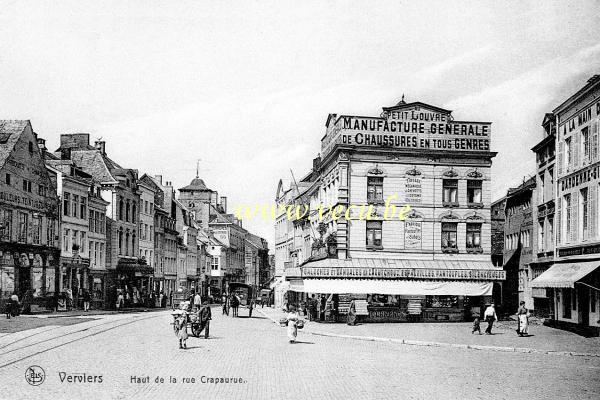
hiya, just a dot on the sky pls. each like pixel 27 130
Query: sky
pixel 246 87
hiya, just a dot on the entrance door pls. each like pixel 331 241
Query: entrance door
pixel 24 281
pixel 583 298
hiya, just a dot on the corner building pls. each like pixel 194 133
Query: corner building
pixel 434 265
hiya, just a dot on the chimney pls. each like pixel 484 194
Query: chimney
pixel 224 204
pixel 42 145
pixel 65 153
pixel 101 145
pixel 214 197
pixel 158 178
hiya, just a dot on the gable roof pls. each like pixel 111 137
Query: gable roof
pixel 10 133
pixel 92 162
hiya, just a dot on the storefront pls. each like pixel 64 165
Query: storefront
pixel 409 291
pixel 134 281
pixel 574 289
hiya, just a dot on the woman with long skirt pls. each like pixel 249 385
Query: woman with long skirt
pixel 523 316
pixel 292 330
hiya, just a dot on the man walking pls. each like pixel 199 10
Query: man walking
pixel 490 316
pixel 197 302
pixel 205 317
pixel 225 301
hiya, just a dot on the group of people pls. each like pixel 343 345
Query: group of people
pixel 490 317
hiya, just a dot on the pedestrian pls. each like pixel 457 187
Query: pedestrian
pixel 205 316
pixel 225 301
pixel 69 294
pixel 476 326
pixel 197 302
pixel 182 334
pixel 14 306
pixel 523 320
pixel 490 316
pixel 120 300
pixel 235 303
pixel 322 307
pixel 312 308
pixel 86 300
pixel 352 314
pixel 292 328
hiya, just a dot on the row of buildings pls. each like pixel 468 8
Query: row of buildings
pixel 430 261
pixel 547 230
pixel 76 219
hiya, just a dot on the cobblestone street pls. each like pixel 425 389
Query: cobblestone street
pixel 121 347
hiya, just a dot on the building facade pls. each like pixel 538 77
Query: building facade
pixel 29 218
pixel 573 281
pixel 411 234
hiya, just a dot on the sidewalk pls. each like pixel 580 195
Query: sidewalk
pixel 542 339
pixel 81 313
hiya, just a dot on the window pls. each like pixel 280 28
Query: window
pixel 36 227
pixel 5 225
pixel 102 223
pixel 101 253
pixel 74 242
pixel 473 236
pixel 374 234
pixel 133 212
pixel 145 206
pixel 215 263
pixel 66 204
pixel 127 243
pixel 82 242
pixel 592 300
pixel 121 209
pixel 541 188
pixel 8 179
pixel 566 303
pixel 449 235
pixel 585 143
pixel 92 221
pixel 550 236
pixel 31 147
pixel 583 207
pixel 374 189
pixel 127 210
pixel 474 192
pixel 568 153
pixel 450 191
pixel 66 236
pixel 26 186
pixel 23 221
pixel 551 182
pixel 75 204
pixel 567 217
pixel 83 208
pixel 441 301
pixel 50 233
pixel 541 242
pixel 92 253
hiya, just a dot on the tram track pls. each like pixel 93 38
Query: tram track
pixel 115 325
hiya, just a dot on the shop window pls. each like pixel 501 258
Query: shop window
pixel 441 301
pixel 449 242
pixel 5 225
pixel 474 237
pixel 374 189
pixel 566 303
pixel 474 192
pixel 374 229
pixel 450 192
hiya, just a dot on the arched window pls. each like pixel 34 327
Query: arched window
pixel 127 209
pixel 133 212
pixel 133 244
pixel 127 243
pixel 121 208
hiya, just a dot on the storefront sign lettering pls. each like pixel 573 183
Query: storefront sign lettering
pixel 416 273
pixel 412 234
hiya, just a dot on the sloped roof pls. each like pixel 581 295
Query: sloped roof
pixel 256 241
pixel 197 185
pixel 92 162
pixel 10 132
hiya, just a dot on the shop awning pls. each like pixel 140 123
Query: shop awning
pixel 564 275
pixel 394 287
pixel 129 268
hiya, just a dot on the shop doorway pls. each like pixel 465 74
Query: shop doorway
pixel 583 298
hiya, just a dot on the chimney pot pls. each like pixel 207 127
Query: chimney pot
pixel 101 145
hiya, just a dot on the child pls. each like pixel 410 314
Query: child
pixel 476 326
pixel 182 330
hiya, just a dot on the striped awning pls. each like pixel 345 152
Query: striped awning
pixel 564 275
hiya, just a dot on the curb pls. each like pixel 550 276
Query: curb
pixel 441 344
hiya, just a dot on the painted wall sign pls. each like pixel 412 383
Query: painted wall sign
pixel 413 189
pixel 412 234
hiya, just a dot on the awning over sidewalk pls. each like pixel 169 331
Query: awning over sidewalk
pixel 564 275
pixel 394 287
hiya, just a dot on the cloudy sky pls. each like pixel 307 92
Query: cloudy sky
pixel 247 87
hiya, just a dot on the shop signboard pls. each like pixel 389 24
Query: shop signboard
pixel 412 235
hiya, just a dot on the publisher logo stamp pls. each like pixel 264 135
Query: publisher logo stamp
pixel 35 375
